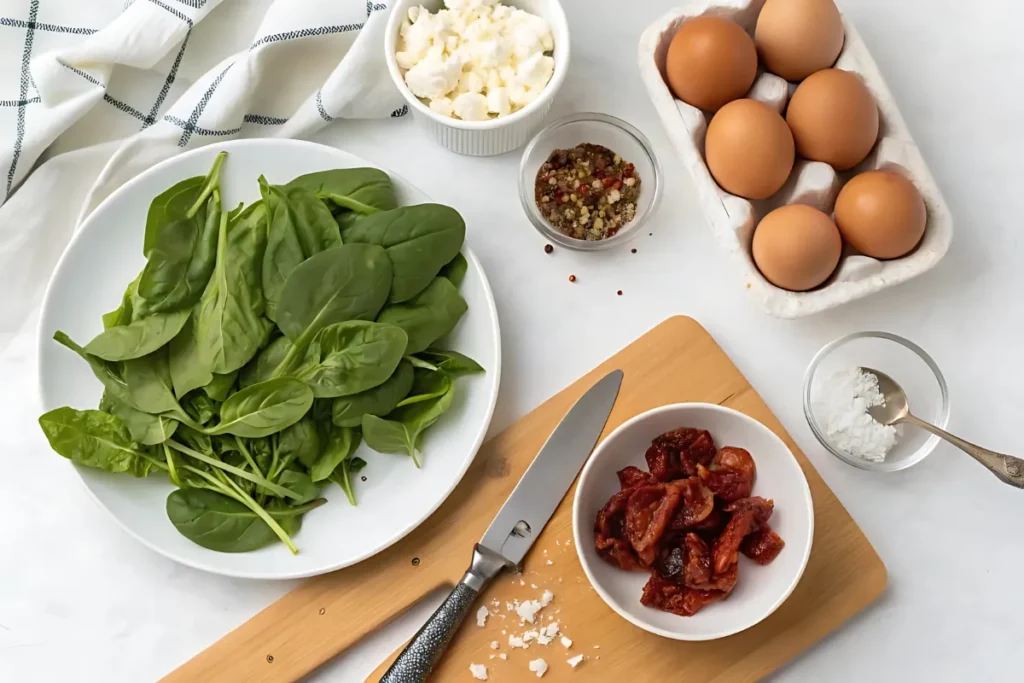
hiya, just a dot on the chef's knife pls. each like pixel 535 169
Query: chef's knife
pixel 518 524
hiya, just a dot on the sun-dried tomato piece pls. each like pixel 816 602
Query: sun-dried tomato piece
pixel 713 524
pixel 609 533
pixel 698 561
pixel 670 597
pixel 676 454
pixel 762 546
pixel 630 477
pixel 696 505
pixel 731 474
pixel 725 551
pixel 648 512
pixel 761 508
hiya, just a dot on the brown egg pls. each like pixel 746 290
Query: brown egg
pixel 710 61
pixel 796 247
pixel 749 149
pixel 881 214
pixel 795 38
pixel 834 119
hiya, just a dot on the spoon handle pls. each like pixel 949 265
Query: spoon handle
pixel 1008 468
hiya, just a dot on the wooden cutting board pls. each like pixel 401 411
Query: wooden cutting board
pixel 676 361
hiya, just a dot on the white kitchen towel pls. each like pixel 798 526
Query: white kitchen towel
pixel 93 92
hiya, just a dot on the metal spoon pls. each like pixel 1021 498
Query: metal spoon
pixel 896 410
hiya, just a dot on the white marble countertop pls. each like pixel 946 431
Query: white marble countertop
pixel 81 600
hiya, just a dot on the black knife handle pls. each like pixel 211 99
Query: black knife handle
pixel 424 651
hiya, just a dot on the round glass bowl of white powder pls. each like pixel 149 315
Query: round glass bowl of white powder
pixel 837 395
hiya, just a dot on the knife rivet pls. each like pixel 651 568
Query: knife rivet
pixel 270 659
pixel 415 561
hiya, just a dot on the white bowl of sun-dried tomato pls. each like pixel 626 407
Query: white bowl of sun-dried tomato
pixel 693 521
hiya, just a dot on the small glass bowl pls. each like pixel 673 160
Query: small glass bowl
pixel 599 129
pixel 911 368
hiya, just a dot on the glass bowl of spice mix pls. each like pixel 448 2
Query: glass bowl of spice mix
pixel 589 181
pixel 839 389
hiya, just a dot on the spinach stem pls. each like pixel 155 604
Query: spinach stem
pixel 212 183
pixel 247 456
pixel 247 500
pixel 346 202
pixel 170 466
pixel 248 476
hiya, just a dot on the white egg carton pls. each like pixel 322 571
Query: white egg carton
pixel 815 183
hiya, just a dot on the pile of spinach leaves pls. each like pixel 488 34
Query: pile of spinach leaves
pixel 260 345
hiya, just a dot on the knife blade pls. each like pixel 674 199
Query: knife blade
pixel 526 512
pixel 516 527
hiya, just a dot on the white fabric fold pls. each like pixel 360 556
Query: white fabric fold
pixel 94 93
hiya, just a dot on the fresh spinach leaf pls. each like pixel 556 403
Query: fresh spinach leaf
pixel 200 407
pixel 301 484
pixel 428 316
pixel 261 368
pixel 455 270
pixel 348 411
pixel 148 430
pixel 298 226
pixel 187 367
pixel 341 443
pixel 149 383
pixel 426 385
pixel 265 408
pixel 350 282
pixel 220 386
pixel 343 475
pixel 138 338
pixel 298 443
pixel 419 240
pixel 453 363
pixel 350 357
pixel 180 262
pixel 230 327
pixel 217 522
pixel 354 192
pixel 93 438
pixel 402 431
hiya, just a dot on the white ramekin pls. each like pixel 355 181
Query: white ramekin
pixel 495 136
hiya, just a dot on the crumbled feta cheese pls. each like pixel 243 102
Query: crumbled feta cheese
pixel 516 641
pixel 546 598
pixel 533 586
pixel 503 656
pixel 527 611
pixel 494 645
pixel 470 106
pixel 539 666
pixel 566 642
pixel 597 647
pixel 574 661
pixel 481 616
pixel 476 46
pixel 551 629
pixel 549 562
pixel 479 671
pixel 521 582
pixel 530 636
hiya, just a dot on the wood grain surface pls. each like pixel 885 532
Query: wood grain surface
pixel 676 361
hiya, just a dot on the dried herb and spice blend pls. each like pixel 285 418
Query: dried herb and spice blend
pixel 588 192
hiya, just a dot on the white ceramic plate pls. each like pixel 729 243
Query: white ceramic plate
pixel 759 590
pixel 107 254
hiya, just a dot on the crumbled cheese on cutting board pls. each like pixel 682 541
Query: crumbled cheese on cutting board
pixel 503 656
pixel 574 661
pixel 479 671
pixel 539 666
pixel 549 563
pixel 527 611
pixel 494 645
pixel 546 598
pixel 481 616
pixel 566 642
